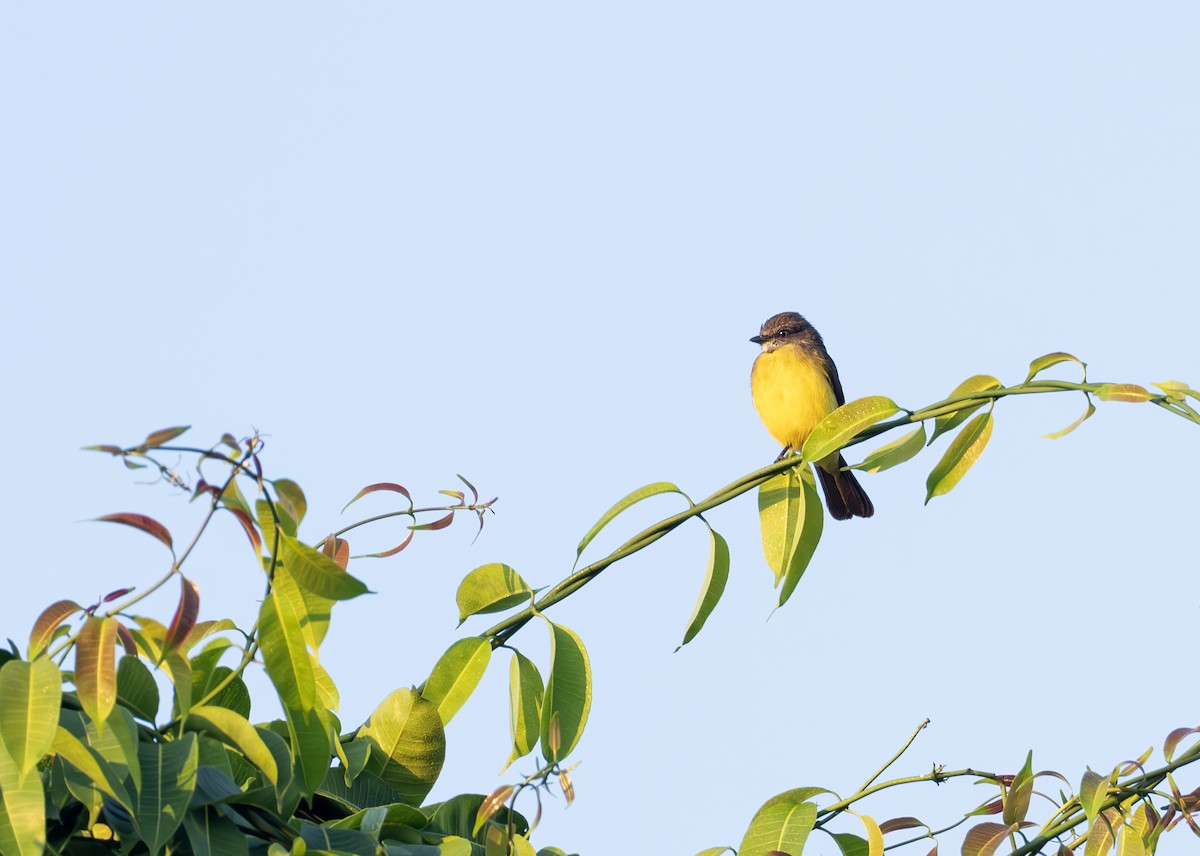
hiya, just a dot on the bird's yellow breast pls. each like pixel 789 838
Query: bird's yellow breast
pixel 791 392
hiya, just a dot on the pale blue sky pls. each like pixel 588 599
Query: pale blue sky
pixel 528 243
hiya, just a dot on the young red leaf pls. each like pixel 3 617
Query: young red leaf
pixel 43 629
pixel 437 524
pixel 249 528
pixel 141 521
pixel 407 540
pixel 371 488
pixel 339 550
pixel 185 614
pixel 126 639
pixel 166 435
pixel 474 493
pixel 113 595
pixel 899 823
pixel 112 450
pixel 1172 741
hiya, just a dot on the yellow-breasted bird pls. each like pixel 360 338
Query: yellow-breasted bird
pixel 795 385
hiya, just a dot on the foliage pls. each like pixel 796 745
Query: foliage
pixel 90 763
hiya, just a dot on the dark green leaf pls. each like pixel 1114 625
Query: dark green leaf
pixel 136 688
pixel 168 779
pixel 715 577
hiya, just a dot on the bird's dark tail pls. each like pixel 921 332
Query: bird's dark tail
pixel 844 496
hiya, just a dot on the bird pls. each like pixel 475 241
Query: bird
pixel 795 385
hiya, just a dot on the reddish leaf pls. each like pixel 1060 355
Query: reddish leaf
pixel 491 804
pixel 457 494
pixel 933 852
pixel 437 524
pixel 204 487
pixel 231 441
pixel 112 450
pixel 1172 741
pixel 984 838
pixel 407 540
pixel 474 493
pixel 127 640
pixel 899 823
pixel 141 521
pixel 95 667
pixel 43 629
pixel 994 807
pixel 248 525
pixel 113 595
pixel 185 614
pixel 166 435
pixel 339 550
pixel 371 488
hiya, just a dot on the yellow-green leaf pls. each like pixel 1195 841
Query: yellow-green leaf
pixel 874 835
pixel 895 452
pixel 1042 363
pixel 808 535
pixel 960 457
pixel 96 667
pixel 715 577
pixel 779 826
pixel 984 838
pixel 525 693
pixel 456 674
pixel 490 588
pixel 844 424
pixel 568 698
pixel 287 660
pixel 1093 790
pixel 316 572
pixel 22 810
pixel 973 384
pixel 1016 801
pixel 237 732
pixel 30 696
pixel 408 744
pixel 625 502
pixel 1129 392
pixel 1091 408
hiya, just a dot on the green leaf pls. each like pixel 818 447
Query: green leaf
pixel 1093 791
pixel 237 732
pixel 975 383
pixel 288 663
pixel 490 588
pixel 317 572
pixel 1091 408
pixel 341 841
pixel 117 744
pixel 456 674
pixel 1042 363
pixel 714 851
pixel 632 499
pixel 291 504
pixel 210 833
pixel 525 694
pixel 844 424
pixel 1129 392
pixel 168 780
pixel 781 826
pixel 715 577
pixel 983 838
pixel 874 835
pixel 851 845
pixel 959 457
pixel 22 809
pixel 311 744
pixel 1016 801
pixel 808 535
pixel 568 697
pixel 780 514
pixel 30 696
pixel 93 766
pixel 136 689
pixel 791 518
pixel 408 744
pixel 896 452
pixel 95 667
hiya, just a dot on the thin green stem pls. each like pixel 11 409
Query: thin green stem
pixel 924 724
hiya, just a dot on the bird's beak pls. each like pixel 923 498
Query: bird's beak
pixel 758 340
